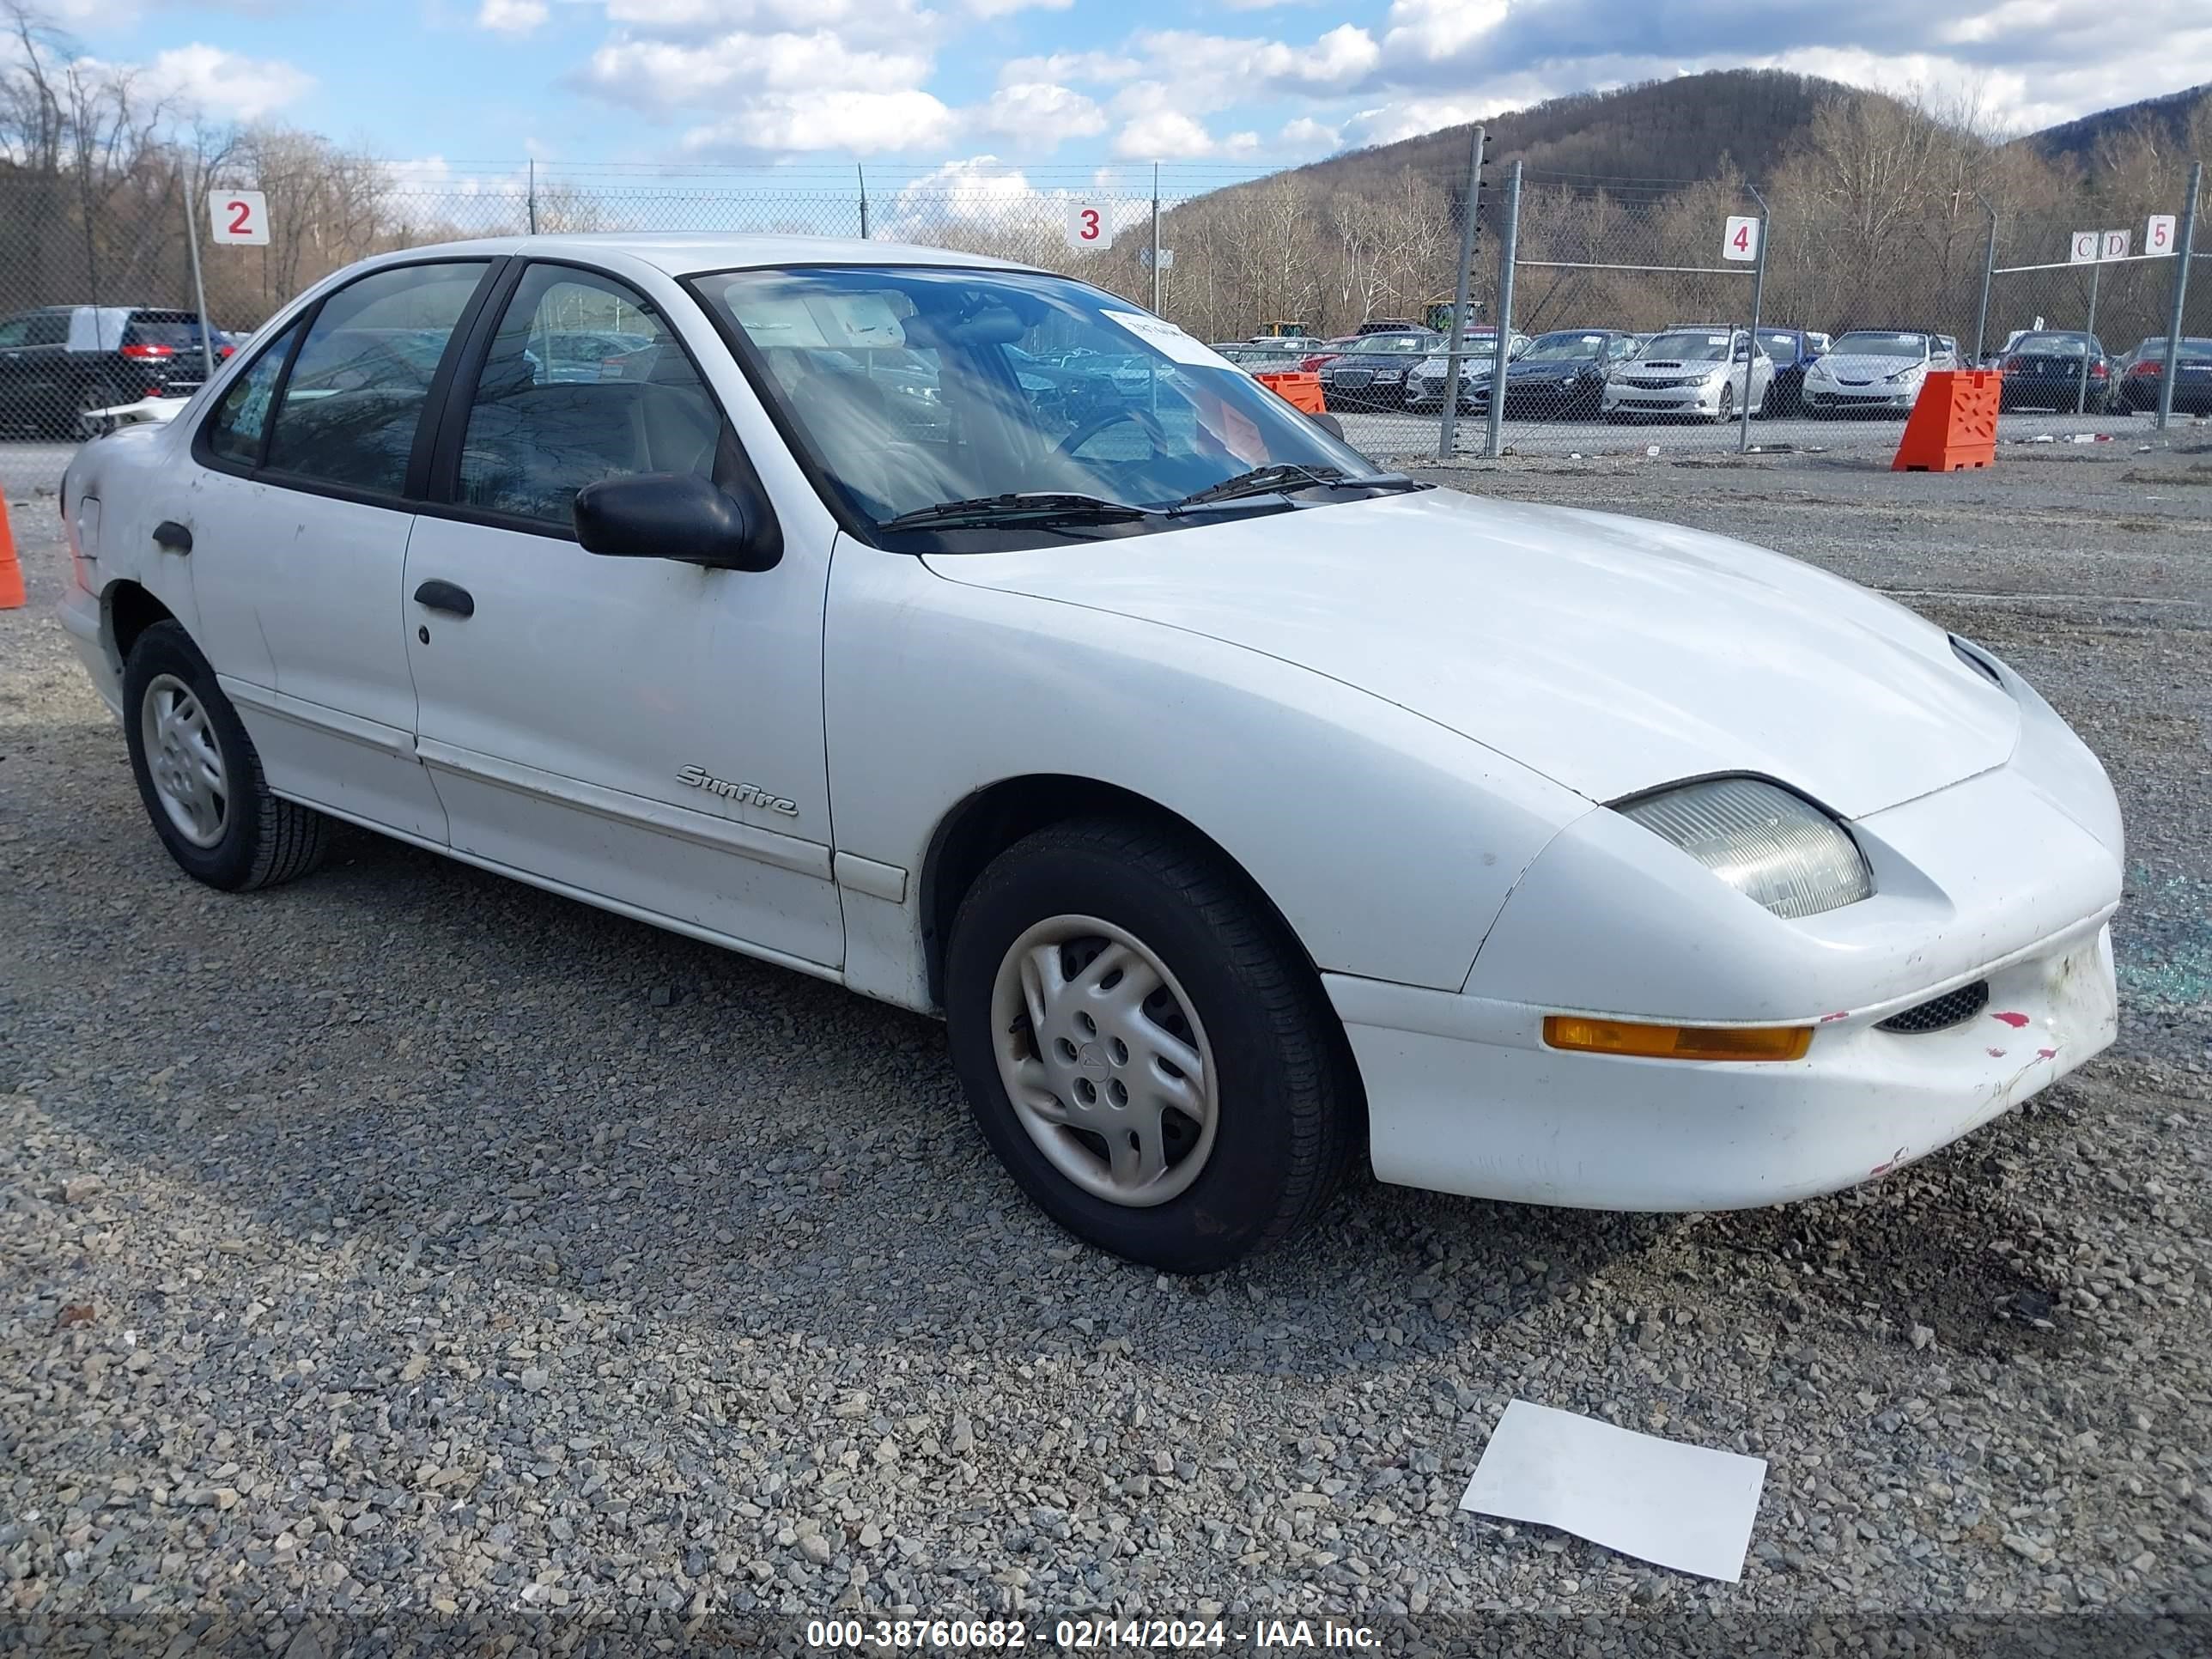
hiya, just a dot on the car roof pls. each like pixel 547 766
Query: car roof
pixel 681 254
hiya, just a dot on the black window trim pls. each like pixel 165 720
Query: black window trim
pixel 440 479
pixel 409 496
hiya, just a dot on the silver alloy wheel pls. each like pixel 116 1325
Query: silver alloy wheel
pixel 183 760
pixel 1107 1066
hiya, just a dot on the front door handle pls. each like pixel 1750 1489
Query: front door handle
pixel 172 538
pixel 447 596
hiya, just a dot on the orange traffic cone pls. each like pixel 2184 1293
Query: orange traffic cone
pixel 11 568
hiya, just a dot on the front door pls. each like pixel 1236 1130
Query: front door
pixel 299 516
pixel 640 731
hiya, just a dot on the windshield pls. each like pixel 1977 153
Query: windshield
pixel 1871 344
pixel 1779 345
pixel 2051 345
pixel 910 387
pixel 1688 348
pixel 1395 345
pixel 1563 347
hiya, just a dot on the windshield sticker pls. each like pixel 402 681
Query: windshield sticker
pixel 1169 341
pixel 819 321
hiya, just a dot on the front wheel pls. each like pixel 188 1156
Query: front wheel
pixel 1143 1046
pixel 1725 411
pixel 200 777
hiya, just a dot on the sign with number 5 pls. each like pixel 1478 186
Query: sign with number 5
pixel 240 217
pixel 2158 237
pixel 1740 239
pixel 1088 226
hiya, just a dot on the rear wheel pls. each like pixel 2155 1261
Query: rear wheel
pixel 199 776
pixel 1146 1051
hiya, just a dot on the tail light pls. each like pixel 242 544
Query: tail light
pixel 1312 363
pixel 145 353
pixel 2097 371
pixel 2011 363
pixel 2149 366
pixel 224 351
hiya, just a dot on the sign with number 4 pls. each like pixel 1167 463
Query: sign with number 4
pixel 240 217
pixel 2158 235
pixel 1740 239
pixel 1088 226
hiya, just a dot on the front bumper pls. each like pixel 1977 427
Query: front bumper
pixel 1691 398
pixel 1883 398
pixel 1464 1098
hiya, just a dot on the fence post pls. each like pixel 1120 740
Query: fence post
pixel 1758 299
pixel 1989 270
pixel 533 196
pixel 1448 433
pixel 199 287
pixel 1493 444
pixel 1156 238
pixel 2088 331
pixel 2183 254
pixel 861 172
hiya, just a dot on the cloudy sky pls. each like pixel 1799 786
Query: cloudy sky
pixel 1069 82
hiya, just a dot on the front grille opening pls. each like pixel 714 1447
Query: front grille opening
pixel 1952 1008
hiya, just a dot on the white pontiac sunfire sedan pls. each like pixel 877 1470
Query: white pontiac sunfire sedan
pixel 1242 808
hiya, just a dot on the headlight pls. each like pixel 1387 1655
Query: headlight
pixel 1906 373
pixel 1768 844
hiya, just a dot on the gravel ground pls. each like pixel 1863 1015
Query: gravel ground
pixel 407 1242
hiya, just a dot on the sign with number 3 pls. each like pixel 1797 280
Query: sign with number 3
pixel 1088 226
pixel 238 216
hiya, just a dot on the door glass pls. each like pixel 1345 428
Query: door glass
pixel 234 432
pixel 356 391
pixel 584 380
pixel 46 328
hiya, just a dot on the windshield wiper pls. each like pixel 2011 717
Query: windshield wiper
pixel 1039 507
pixel 1287 476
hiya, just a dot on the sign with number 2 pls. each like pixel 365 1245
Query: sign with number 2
pixel 240 217
pixel 1088 226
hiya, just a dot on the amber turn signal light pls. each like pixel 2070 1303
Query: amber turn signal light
pixel 1617 1036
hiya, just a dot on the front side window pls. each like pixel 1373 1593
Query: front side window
pixel 584 380
pixel 355 394
pixel 234 432
pixel 915 387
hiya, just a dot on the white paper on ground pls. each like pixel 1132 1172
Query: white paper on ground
pixel 1685 1507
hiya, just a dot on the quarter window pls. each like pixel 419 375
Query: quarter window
pixel 355 394
pixel 234 434
pixel 584 380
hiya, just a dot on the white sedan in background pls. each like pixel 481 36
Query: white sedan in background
pixel 1242 808
pixel 1875 371
pixel 1690 374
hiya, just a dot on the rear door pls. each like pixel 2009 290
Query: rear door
pixel 636 731
pixel 33 390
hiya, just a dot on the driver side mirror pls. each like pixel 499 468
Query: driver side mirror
pixel 679 516
pixel 1329 424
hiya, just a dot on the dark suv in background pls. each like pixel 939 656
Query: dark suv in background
pixel 59 362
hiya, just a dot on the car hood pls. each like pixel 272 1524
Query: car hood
pixel 1611 654
pixel 1857 368
pixel 1557 369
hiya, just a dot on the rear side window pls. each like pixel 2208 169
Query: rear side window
pixel 38 328
pixel 179 330
pixel 355 394
pixel 234 432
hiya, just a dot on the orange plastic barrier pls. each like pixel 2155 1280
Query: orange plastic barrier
pixel 1300 392
pixel 1954 424
pixel 11 569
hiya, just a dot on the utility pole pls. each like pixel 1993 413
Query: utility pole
pixel 1758 299
pixel 1989 270
pixel 533 196
pixel 1502 353
pixel 1156 238
pixel 861 173
pixel 1448 435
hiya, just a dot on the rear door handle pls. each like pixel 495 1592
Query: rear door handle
pixel 446 597
pixel 172 538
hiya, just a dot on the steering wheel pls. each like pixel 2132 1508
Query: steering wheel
pixel 1090 430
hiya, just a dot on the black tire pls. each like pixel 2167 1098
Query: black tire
pixel 1727 410
pixel 265 839
pixel 98 392
pixel 1288 1112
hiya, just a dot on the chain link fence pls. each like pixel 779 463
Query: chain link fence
pixel 1617 314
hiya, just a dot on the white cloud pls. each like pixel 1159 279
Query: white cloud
pixel 1040 115
pixel 856 20
pixel 1162 135
pixel 1430 29
pixel 832 118
pixel 662 74
pixel 1070 66
pixel 1005 8
pixel 511 16
pixel 229 84
pixel 980 191
pixel 1307 136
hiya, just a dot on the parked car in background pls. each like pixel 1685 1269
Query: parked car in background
pixel 1371 372
pixel 1690 374
pixel 2063 370
pixel 1424 386
pixel 1793 350
pixel 2144 367
pixel 1392 325
pixel 1561 375
pixel 1873 371
pixel 59 363
pixel 1328 351
pixel 1267 357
